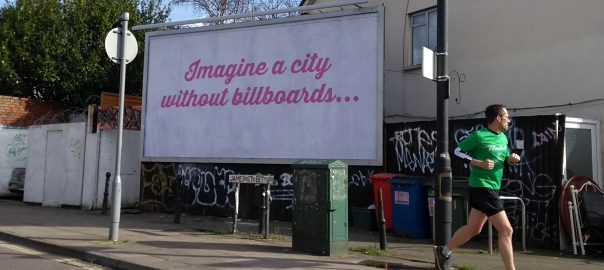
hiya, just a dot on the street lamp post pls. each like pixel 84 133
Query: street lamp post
pixel 443 179
pixel 116 205
pixel 121 47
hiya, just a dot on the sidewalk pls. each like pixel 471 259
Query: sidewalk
pixel 152 241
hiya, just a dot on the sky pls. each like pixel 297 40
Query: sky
pixel 183 13
pixel 179 12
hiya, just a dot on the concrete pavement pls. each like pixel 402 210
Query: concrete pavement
pixel 152 241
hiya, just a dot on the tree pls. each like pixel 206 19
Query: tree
pixel 54 49
pixel 218 8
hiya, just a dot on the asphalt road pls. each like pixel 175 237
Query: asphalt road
pixel 15 257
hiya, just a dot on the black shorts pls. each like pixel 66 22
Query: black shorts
pixel 485 200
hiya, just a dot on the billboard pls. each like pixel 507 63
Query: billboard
pixel 273 91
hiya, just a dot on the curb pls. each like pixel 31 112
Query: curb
pixel 86 256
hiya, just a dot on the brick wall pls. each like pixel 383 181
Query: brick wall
pixel 23 112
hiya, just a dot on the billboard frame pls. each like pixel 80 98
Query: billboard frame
pixel 379 10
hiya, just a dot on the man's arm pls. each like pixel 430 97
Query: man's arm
pixel 462 154
pixel 484 164
pixel 513 159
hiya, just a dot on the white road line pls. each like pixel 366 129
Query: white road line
pixel 68 261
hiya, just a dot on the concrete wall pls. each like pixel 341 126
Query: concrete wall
pixel 100 159
pixel 55 164
pixel 13 144
pixel 67 166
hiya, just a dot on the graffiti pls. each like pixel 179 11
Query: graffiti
pixel 545 136
pixel 537 193
pixel 70 115
pixel 157 181
pixel 462 133
pixel 108 117
pixel 415 149
pixel 17 147
pixel 205 187
pixel 282 189
pixel 360 188
pixel 209 187
pixel 358 178
pixel 536 188
pixel 536 179
pixel 75 147
pixel 516 134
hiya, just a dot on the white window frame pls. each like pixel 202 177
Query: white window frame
pixel 596 154
pixel 425 13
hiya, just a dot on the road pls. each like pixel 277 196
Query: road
pixel 15 257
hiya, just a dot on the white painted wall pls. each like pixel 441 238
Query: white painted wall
pixel 537 57
pixel 54 171
pixel 34 177
pixel 100 159
pixel 91 191
pixel 68 166
pixel 13 144
pixel 526 54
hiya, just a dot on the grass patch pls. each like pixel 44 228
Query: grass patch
pixel 370 251
pixel 467 267
pixel 252 236
pixel 260 236
pixel 222 232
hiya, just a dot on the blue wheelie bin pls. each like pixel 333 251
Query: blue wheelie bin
pixel 409 208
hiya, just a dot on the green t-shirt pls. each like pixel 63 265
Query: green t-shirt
pixel 482 145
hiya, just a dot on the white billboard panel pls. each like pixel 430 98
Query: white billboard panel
pixel 266 93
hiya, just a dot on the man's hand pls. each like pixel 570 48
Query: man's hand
pixel 513 159
pixel 488 164
pixel 484 164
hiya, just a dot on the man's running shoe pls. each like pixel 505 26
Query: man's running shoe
pixel 442 261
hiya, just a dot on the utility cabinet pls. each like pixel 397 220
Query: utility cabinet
pixel 320 209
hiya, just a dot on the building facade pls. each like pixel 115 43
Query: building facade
pixel 538 57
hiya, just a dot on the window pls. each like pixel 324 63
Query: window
pixel 581 149
pixel 423 27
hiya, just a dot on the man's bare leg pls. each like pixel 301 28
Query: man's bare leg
pixel 504 231
pixel 475 222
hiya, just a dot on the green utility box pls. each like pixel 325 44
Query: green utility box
pixel 320 209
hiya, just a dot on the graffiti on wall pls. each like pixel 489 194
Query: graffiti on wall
pixel 158 180
pixel 360 178
pixel 410 150
pixel 75 147
pixel 108 117
pixel 282 189
pixel 536 184
pixel 415 149
pixel 536 179
pixel 205 188
pixel 16 149
pixel 360 188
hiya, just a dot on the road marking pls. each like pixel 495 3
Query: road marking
pixel 69 261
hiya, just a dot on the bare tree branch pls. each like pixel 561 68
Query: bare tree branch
pixel 219 8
